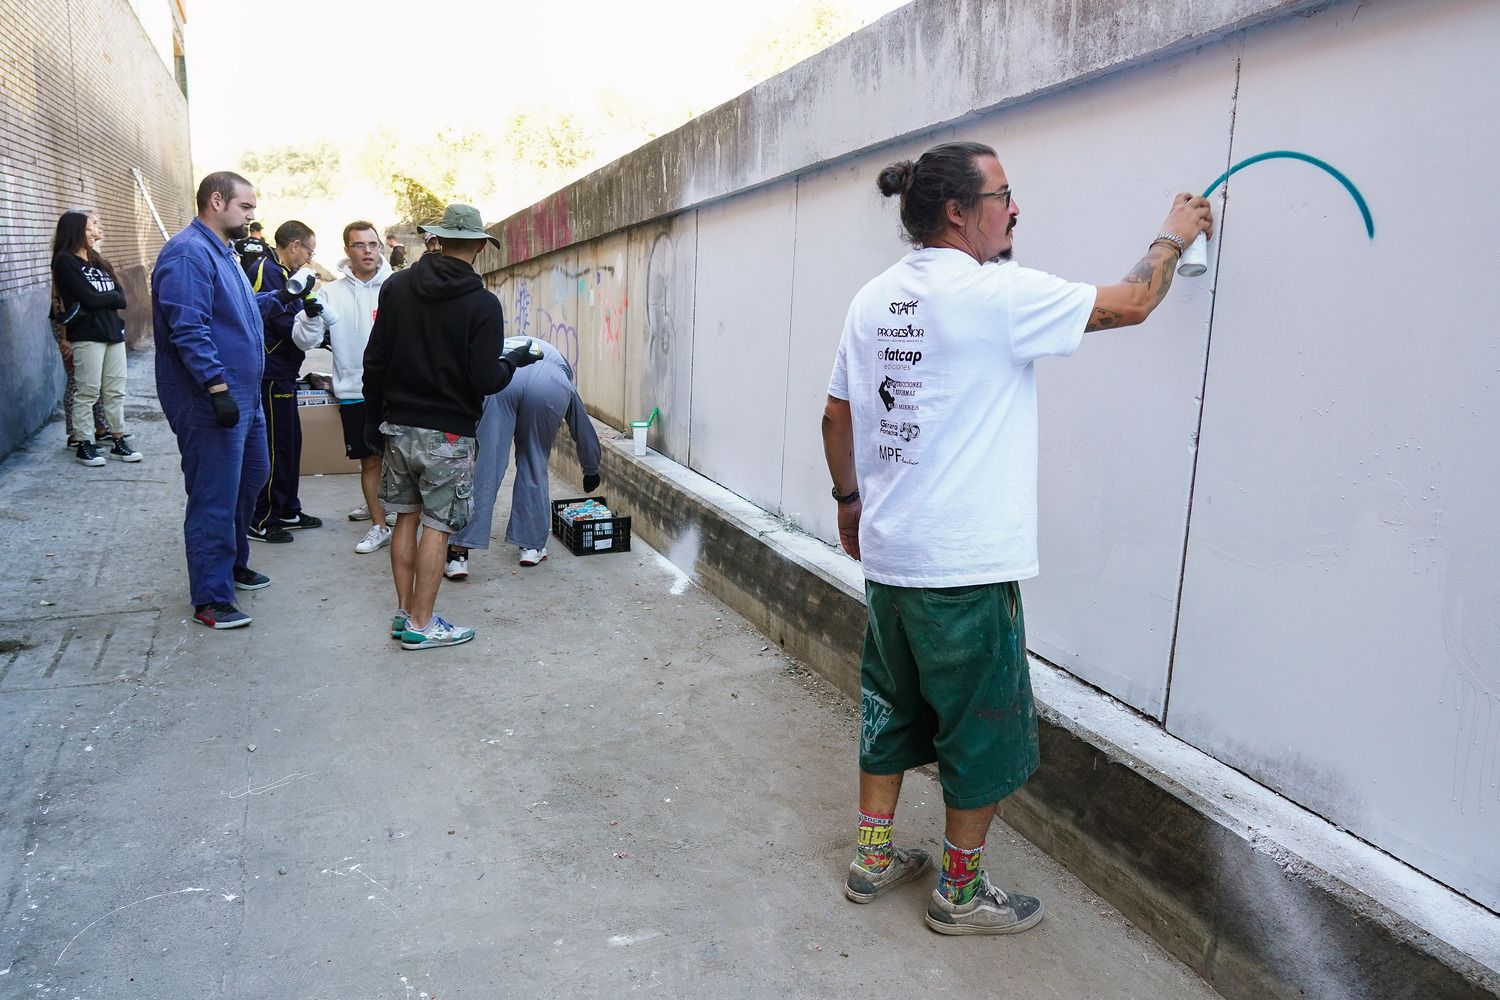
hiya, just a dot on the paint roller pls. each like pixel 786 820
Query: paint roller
pixel 1194 260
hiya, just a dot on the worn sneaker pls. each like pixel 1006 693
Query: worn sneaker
pixel 438 632
pixel 270 533
pixel 220 615
pixel 377 537
pixel 122 449
pixel 863 885
pixel 300 521
pixel 390 519
pixel 87 454
pixel 457 567
pixel 360 513
pixel 533 557
pixel 991 911
pixel 246 578
pixel 399 621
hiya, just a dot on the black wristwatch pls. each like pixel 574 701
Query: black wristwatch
pixel 846 499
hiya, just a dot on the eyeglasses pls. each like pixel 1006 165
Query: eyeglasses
pixel 363 246
pixel 1002 193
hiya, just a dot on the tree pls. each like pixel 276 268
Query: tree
pixel 415 202
pixel 808 31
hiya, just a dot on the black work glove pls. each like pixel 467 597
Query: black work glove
pixel 590 482
pixel 374 439
pixel 520 357
pixel 226 410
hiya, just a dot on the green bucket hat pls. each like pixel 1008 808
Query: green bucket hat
pixel 460 222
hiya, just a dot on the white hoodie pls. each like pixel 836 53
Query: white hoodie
pixel 349 310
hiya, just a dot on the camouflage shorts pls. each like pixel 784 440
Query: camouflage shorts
pixel 428 471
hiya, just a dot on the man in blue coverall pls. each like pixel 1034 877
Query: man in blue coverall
pixel 209 361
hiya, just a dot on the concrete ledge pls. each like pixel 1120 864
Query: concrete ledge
pixel 1259 896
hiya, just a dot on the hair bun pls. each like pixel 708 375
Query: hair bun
pixel 896 178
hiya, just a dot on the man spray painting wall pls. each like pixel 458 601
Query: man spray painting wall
pixel 944 674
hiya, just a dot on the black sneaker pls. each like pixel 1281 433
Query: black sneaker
pixel 300 521
pixel 220 615
pixel 124 450
pixel 246 578
pixel 102 436
pixel 87 454
pixel 270 533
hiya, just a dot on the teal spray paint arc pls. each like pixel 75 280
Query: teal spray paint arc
pixel 1195 260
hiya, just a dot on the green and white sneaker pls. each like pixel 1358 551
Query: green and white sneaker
pixel 439 632
pixel 991 911
pixel 399 621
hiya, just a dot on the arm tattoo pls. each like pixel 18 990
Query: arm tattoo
pixel 1103 319
pixel 1155 271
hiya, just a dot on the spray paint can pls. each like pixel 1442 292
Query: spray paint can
pixel 532 345
pixel 1194 259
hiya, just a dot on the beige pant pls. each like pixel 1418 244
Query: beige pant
pixel 99 371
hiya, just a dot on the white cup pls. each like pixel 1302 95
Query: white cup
pixel 640 438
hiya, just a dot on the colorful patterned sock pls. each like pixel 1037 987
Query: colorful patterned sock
pixel 875 851
pixel 959 879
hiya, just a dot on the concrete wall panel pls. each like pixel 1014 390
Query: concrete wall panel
pixel 546 294
pixel 659 335
pixel 741 319
pixel 1340 635
pixel 603 310
pixel 1118 418
pixel 846 234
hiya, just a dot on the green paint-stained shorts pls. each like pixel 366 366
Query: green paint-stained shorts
pixel 428 471
pixel 944 678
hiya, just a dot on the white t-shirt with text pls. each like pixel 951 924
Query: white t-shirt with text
pixel 936 361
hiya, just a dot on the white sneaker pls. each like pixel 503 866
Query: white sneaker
pixel 377 537
pixel 457 568
pixel 390 518
pixel 360 513
pixel 531 557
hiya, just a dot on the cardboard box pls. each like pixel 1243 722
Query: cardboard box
pixel 323 438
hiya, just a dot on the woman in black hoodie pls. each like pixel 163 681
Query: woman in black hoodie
pixel 91 301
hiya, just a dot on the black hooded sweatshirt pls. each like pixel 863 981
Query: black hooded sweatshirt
pixel 434 351
pixel 99 299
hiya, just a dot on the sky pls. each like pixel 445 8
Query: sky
pixel 276 72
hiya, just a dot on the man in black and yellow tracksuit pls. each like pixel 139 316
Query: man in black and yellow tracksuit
pixel 292 326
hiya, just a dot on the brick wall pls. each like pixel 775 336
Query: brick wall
pixel 84 98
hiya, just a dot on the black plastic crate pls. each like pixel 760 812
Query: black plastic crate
pixel 588 538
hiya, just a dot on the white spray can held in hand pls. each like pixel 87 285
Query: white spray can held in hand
pixel 532 345
pixel 1194 260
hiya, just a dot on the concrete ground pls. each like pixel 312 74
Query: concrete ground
pixel 618 788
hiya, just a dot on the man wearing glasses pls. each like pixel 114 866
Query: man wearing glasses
pixel 292 326
pixel 350 304
pixel 931 412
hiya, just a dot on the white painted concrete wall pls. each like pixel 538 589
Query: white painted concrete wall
pixel 1309 591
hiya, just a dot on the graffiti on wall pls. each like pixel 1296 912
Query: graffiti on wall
pixel 542 229
pixel 521 314
pixel 661 266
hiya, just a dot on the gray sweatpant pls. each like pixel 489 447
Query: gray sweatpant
pixel 528 411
